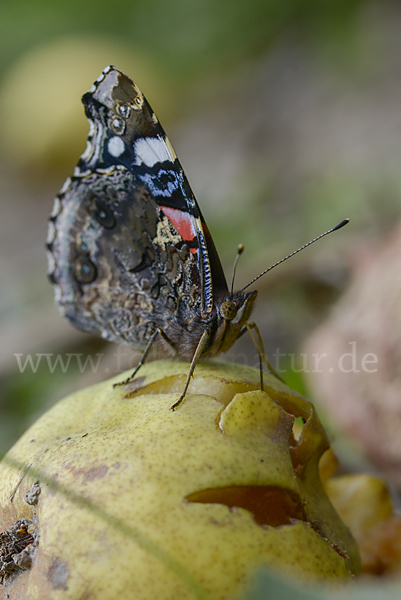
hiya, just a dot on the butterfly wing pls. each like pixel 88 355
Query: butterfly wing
pixel 118 265
pixel 125 131
pixel 128 247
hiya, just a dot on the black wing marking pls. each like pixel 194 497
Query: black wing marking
pixel 116 261
pixel 125 131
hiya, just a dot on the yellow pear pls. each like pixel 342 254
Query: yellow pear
pixel 120 497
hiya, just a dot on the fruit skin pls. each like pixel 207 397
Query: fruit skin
pixel 139 461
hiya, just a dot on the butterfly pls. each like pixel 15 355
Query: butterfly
pixel 129 252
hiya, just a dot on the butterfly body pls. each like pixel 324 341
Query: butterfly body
pixel 129 251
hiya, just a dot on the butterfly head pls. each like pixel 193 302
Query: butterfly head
pixel 229 310
pixel 236 311
pixel 238 307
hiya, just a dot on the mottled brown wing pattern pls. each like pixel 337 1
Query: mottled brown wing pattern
pixel 120 267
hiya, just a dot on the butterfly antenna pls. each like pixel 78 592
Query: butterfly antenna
pixel 239 252
pixel 339 226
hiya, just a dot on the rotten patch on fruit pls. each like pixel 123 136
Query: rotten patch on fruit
pixel 58 574
pixel 32 496
pixel 17 548
pixel 269 505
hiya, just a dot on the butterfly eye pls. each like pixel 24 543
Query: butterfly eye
pixel 85 270
pixel 229 310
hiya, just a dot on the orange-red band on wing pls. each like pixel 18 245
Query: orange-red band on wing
pixel 182 221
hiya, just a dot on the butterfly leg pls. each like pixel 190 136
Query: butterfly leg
pixel 199 349
pixel 261 350
pixel 145 355
pixel 259 347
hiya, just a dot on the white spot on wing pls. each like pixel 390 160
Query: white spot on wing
pixel 107 170
pixel 96 144
pixel 105 85
pixel 51 263
pixel 65 187
pixel 104 73
pixel 88 151
pixel 57 298
pixel 51 233
pixel 92 127
pixel 78 173
pixel 139 99
pixel 100 79
pixel 116 146
pixel 150 151
pixel 57 206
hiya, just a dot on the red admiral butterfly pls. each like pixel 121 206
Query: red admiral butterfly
pixel 130 254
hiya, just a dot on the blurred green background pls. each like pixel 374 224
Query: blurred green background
pixel 284 113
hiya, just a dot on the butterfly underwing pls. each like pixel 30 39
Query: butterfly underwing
pixel 129 252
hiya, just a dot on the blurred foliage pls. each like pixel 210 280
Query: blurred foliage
pixel 42 380
pixel 189 37
pixel 53 50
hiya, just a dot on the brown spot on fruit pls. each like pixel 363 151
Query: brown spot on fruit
pixel 269 505
pixel 58 574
